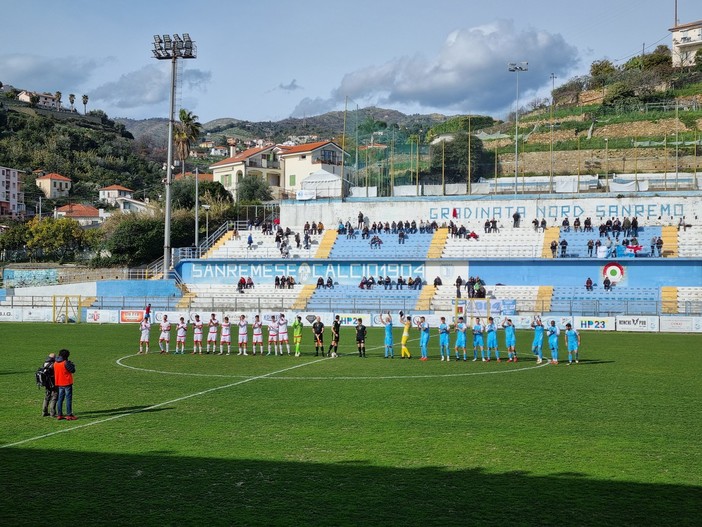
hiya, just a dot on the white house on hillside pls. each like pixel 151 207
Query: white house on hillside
pixel 46 100
pixel 11 198
pixel 303 160
pixel 54 185
pixel 687 39
pixel 260 162
pixel 110 194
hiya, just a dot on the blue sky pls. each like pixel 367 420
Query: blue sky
pixel 271 59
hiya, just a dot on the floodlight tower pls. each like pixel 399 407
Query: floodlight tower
pixel 517 67
pixel 167 48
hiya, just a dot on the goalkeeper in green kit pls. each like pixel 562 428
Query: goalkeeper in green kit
pixel 297 334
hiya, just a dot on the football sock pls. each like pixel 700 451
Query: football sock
pixel 570 357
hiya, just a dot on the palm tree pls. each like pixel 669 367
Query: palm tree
pixel 85 104
pixel 57 95
pixel 186 132
pixel 71 99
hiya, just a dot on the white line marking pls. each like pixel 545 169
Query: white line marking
pixel 152 407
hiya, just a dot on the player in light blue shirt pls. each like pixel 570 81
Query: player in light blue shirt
pixel 387 320
pixel 478 330
pixel 491 330
pixel 572 338
pixel 553 332
pixel 461 338
pixel 510 340
pixel 444 340
pixel 423 327
pixel 538 342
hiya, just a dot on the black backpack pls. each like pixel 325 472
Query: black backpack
pixel 45 376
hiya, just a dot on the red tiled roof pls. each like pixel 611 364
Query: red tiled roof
pixel 54 175
pixel 117 187
pixel 242 156
pixel 202 176
pixel 307 147
pixel 79 210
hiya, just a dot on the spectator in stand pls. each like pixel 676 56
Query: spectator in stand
pixel 535 223
pixel 603 230
pixel 611 248
pixel 516 217
pixel 401 237
pixel 306 228
pixel 249 283
pixel 543 224
pixel 437 281
pixel 242 284
pixel 330 282
pixel 320 283
pixel 616 228
pixel 370 282
pixel 590 247
pixel 351 233
pixel 486 226
pixel 554 248
pixel 493 225
pixel 410 283
pixel 376 242
pixel 626 227
pixel 473 236
pixel 459 281
pixel 470 287
pixel 576 225
pixel 291 282
pixel 413 227
pixel 249 242
pixel 360 220
pixel 297 240
pixel 341 229
pixel 363 283
pixel 320 227
pixel 400 282
pixel 588 224
pixel 659 246
pixel 654 240
pixel 564 247
pixel 588 284
pixel 565 224
pixel 634 226
pixel 365 233
pixel 285 251
pixel 313 228
pixel 598 244
pixel 607 284
pixel 418 282
pixel 276 282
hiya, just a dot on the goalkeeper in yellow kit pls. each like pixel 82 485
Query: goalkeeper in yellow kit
pixel 407 321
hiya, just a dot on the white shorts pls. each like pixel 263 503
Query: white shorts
pixel 180 339
pixel 212 337
pixel 272 338
pixel 197 338
pixel 243 339
pixel 144 336
pixel 282 337
pixel 258 339
pixel 165 336
pixel 225 339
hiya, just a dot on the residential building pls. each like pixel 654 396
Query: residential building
pixel 687 39
pixel 303 160
pixel 133 206
pixel 262 162
pixel 11 195
pixel 46 100
pixel 54 185
pixel 110 194
pixel 84 214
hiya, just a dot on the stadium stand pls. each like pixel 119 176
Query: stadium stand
pixel 526 296
pixel 618 301
pixel 264 246
pixel 356 299
pixel 508 243
pixel 577 243
pixel 227 296
pixel 689 242
pixel 416 246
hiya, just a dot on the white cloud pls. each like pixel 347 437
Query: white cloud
pixel 38 73
pixel 469 73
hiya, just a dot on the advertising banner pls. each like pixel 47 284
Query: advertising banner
pixel 595 323
pixel 101 316
pixel 10 314
pixel 351 319
pixel 637 323
pixel 681 324
pixel 39 314
pixel 131 316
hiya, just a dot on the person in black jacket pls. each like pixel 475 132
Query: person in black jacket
pixel 361 332
pixel 48 407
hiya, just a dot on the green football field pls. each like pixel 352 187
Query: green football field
pixel 210 440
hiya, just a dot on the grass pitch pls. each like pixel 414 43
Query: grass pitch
pixel 197 440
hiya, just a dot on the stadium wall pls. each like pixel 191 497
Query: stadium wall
pixel 636 272
pixel 151 288
pixel 668 208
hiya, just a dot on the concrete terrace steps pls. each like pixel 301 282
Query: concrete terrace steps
pixel 219 243
pixel 550 234
pixel 544 297
pixel 304 296
pixel 669 235
pixel 669 297
pixel 438 242
pixel 326 244
pixel 425 298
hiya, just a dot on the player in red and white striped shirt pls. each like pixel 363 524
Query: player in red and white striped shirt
pixel 226 336
pixel 243 335
pixel 164 340
pixel 197 335
pixel 181 330
pixel 212 334
pixel 257 334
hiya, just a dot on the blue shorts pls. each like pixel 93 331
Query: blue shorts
pixel 510 342
pixel 537 343
pixel 388 341
pixel 553 344
pixel 444 340
pixel 477 340
pixel 461 341
pixel 492 340
pixel 573 347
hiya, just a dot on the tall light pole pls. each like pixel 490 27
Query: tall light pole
pixel 553 88
pixel 207 222
pixel 171 49
pixel 517 67
pixel 606 140
pixel 197 212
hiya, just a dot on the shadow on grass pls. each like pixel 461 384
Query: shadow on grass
pixel 156 489
pixel 123 410
pixel 8 372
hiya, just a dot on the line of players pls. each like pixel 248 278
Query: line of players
pixel 278 336
pixel 220 332
pixel 479 330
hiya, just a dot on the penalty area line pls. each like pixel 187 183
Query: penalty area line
pixel 159 405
